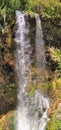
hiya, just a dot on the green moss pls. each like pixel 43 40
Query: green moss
pixel 54 124
pixel 58 124
pixel 31 13
pixel 44 8
pixel 11 122
pixel 31 92
pixel 56 54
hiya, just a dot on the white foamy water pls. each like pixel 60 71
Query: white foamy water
pixel 31 111
pixel 40 51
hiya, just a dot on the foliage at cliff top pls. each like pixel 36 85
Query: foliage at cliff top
pixel 46 8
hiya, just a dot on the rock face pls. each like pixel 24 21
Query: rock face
pixel 55 106
pixel 7 76
pixel 59 111
pixel 8 58
pixel 51 30
pixel 59 107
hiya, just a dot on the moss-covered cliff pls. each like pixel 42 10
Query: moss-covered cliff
pixel 7 76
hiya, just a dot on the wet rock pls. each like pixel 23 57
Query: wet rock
pixel 51 32
pixel 58 116
pixel 55 107
pixel 1 78
pixel 59 107
pixel 8 58
pixel 8 87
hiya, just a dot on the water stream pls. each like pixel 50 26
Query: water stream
pixel 40 51
pixel 31 111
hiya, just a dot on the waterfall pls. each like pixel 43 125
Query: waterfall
pixel 40 50
pixel 31 113
pixel 40 54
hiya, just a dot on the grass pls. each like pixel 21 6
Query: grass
pixel 54 124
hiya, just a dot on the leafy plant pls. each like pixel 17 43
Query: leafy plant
pixel 11 122
pixel 46 8
pixel 56 56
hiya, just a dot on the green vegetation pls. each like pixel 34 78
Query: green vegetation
pixel 58 124
pixel 54 124
pixel 45 8
pixel 7 121
pixel 7 6
pixel 8 86
pixel 56 56
pixel 11 122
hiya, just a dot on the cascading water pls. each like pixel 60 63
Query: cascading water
pixel 31 109
pixel 40 50
pixel 40 54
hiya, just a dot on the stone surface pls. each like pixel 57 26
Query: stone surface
pixel 59 107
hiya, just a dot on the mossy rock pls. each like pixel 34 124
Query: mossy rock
pixel 7 121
